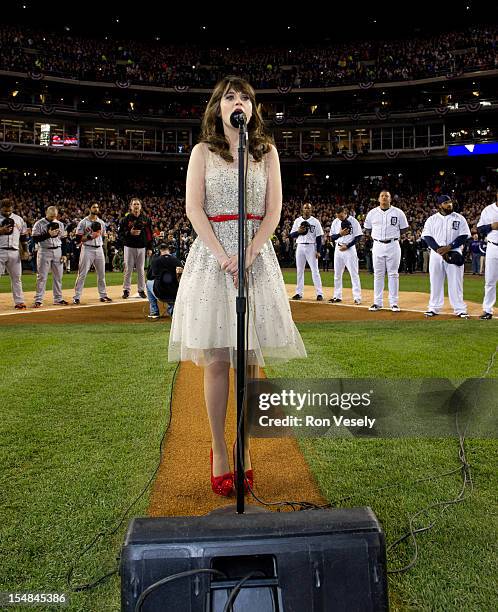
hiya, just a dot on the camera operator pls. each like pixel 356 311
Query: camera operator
pixel 162 280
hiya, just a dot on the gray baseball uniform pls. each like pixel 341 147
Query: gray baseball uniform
pixel 10 258
pixel 134 258
pixel 48 258
pixel 91 253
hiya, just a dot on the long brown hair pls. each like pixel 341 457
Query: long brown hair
pixel 212 126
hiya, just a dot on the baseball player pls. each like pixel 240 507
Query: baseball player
pixel 135 233
pixel 346 232
pixel 89 234
pixel 50 236
pixel 488 226
pixel 308 233
pixel 13 248
pixel 445 233
pixel 386 224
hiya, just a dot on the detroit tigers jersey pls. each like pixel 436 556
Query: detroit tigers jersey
pixel 489 215
pixel 85 227
pixel 11 241
pixel 314 231
pixel 41 227
pixel 446 228
pixel 385 224
pixel 356 230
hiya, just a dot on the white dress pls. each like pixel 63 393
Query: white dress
pixel 204 325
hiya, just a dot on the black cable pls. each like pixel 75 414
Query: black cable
pixel 465 468
pixel 228 607
pixel 467 482
pixel 103 534
pixel 144 594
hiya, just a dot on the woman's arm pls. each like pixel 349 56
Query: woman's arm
pixel 194 203
pixel 273 207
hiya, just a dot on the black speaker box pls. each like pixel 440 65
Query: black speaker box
pixel 307 561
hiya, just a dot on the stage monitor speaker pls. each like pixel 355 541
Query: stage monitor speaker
pixel 307 561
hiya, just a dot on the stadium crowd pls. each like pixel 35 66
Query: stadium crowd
pixel 163 201
pixel 155 63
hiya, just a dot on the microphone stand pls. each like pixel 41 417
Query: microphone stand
pixel 241 309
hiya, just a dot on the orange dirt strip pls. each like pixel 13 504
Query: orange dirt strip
pixel 134 310
pixel 304 311
pixel 182 485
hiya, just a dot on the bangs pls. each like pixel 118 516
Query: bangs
pixel 239 86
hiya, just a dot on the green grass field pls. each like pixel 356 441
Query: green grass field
pixel 457 558
pixel 473 285
pixel 83 411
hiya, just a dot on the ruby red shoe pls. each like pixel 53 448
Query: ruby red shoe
pixel 221 485
pixel 248 480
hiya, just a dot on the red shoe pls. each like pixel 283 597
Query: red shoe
pixel 248 480
pixel 221 485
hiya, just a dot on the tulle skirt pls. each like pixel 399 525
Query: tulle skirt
pixel 204 325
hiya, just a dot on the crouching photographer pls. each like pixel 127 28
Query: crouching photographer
pixel 162 280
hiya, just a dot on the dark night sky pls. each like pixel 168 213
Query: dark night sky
pixel 145 20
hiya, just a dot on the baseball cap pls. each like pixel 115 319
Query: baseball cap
pixel 444 198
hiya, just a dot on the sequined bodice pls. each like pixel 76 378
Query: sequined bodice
pixel 222 186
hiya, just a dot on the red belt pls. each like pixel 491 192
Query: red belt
pixel 219 218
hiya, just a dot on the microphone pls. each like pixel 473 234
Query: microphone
pixel 238 119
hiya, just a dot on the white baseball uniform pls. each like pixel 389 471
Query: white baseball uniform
pixel 306 252
pixel 346 259
pixel 444 229
pixel 10 259
pixel 490 215
pixel 386 226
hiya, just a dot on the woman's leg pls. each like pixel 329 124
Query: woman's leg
pixel 216 380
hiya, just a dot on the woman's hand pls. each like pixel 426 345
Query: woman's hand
pixel 230 264
pixel 250 256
